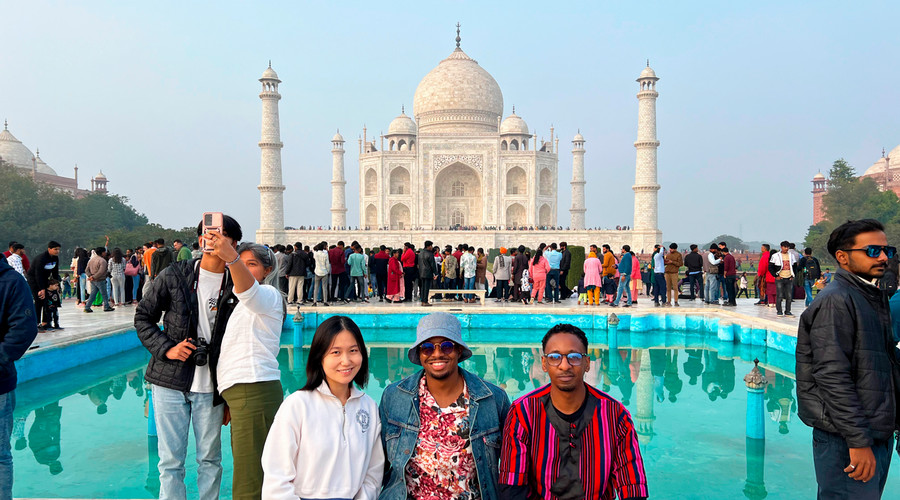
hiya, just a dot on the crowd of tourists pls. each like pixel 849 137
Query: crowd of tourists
pixel 444 432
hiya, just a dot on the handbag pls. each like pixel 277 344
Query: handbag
pixel 130 270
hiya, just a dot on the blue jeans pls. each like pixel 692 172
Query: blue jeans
pixel 551 289
pixel 7 405
pixel 470 285
pixel 659 287
pixel 98 286
pixel 83 284
pixel 808 287
pixel 831 455
pixel 175 412
pixel 135 283
pixel 712 289
pixel 624 286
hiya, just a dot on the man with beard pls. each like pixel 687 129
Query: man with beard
pixel 441 426
pixel 569 440
pixel 848 372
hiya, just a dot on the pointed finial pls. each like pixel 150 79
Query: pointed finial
pixel 648 63
pixel 579 131
pixel 882 152
pixel 5 124
pixel 514 109
pixel 270 64
pixel 402 109
pixel 458 39
pixel 38 151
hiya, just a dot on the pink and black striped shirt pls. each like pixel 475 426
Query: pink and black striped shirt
pixel 610 459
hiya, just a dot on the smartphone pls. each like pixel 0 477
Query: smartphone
pixel 212 221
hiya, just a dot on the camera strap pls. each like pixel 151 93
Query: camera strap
pixel 195 297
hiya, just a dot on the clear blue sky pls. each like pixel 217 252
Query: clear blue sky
pixel 162 96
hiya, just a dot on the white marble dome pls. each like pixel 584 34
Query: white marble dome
pixel 819 177
pixel 894 155
pixel 514 124
pixel 402 125
pixel 458 96
pixel 648 72
pixel 578 138
pixel 337 137
pixel 876 168
pixel 270 74
pixel 13 151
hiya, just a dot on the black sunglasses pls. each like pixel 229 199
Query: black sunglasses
pixel 447 347
pixel 874 251
pixel 574 358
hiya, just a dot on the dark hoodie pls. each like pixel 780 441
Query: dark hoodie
pixel 160 260
pixel 18 323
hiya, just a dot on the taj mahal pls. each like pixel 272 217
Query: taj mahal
pixel 455 164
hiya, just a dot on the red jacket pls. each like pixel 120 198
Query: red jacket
pixel 408 258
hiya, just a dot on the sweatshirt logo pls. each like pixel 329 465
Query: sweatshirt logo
pixel 362 416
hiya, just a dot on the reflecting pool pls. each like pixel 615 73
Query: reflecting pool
pixel 83 433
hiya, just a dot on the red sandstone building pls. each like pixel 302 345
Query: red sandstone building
pixel 885 172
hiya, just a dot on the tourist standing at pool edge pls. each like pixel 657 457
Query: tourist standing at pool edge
pixel 326 439
pixel 247 373
pixel 195 299
pixel 441 426
pixel 18 328
pixel 568 440
pixel 848 372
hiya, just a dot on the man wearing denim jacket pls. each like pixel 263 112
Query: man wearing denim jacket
pixel 442 426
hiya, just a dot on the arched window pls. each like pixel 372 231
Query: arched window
pixel 457 218
pixel 371 182
pixel 504 146
pixel 401 146
pixel 458 189
pixel 514 145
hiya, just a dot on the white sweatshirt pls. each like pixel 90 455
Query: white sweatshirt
pixel 318 448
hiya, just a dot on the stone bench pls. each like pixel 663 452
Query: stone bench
pixel 444 291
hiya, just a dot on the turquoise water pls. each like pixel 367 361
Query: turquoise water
pixel 83 433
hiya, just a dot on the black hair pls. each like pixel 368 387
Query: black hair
pixel 53 244
pixel 767 246
pixel 117 255
pixel 340 243
pixel 537 256
pixel 100 250
pixel 178 240
pixel 521 248
pixel 725 249
pixel 606 246
pixel 195 246
pixel 563 244
pixel 693 247
pixel 673 246
pixel 565 328
pixel 807 251
pixel 230 228
pixel 785 243
pixel 714 247
pixel 844 236
pixel 11 243
pixel 321 343
pixel 553 246
pixel 428 243
pixel 627 248
pixel 160 241
pixel 17 246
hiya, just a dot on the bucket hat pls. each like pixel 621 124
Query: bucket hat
pixel 438 324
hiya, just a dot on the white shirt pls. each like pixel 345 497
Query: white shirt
pixel 468 263
pixel 318 448
pixel 659 263
pixel 208 288
pixel 323 264
pixel 251 341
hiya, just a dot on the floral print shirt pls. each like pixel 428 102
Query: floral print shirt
pixel 442 466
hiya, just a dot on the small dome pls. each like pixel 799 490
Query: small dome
pixel 337 137
pixel 876 168
pixel 270 74
pixel 42 166
pixel 14 152
pixel 514 124
pixel 578 138
pixel 402 125
pixel 819 177
pixel 100 177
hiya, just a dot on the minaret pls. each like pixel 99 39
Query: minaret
pixel 578 208
pixel 818 193
pixel 338 198
pixel 271 190
pixel 646 209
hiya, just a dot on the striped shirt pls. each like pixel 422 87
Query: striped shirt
pixel 610 459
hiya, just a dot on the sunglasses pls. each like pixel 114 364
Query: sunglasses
pixel 447 348
pixel 874 251
pixel 574 358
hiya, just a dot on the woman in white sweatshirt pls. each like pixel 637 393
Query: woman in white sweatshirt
pixel 326 438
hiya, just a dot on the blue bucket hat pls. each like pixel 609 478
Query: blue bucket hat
pixel 438 324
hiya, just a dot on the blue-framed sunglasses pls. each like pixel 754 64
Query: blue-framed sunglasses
pixel 574 358
pixel 447 347
pixel 874 251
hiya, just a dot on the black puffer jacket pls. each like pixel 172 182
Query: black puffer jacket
pixel 172 293
pixel 848 367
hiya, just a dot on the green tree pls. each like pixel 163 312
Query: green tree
pixel 841 172
pixel 732 242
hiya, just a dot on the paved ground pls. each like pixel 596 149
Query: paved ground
pixel 79 325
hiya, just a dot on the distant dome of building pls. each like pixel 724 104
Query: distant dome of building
pixel 337 137
pixel 457 96
pixel 894 155
pixel 402 125
pixel 269 74
pixel 819 177
pixel 100 176
pixel 14 152
pixel 648 72
pixel 514 124
pixel 876 168
pixel 578 138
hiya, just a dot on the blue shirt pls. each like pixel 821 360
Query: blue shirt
pixel 553 258
pixel 625 264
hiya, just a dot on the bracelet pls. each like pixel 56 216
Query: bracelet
pixel 229 264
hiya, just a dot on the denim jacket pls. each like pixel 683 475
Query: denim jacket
pixel 399 409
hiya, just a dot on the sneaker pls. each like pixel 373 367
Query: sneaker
pixel 656 304
pixel 88 310
pixel 627 305
pixel 788 314
pixel 676 305
pixel 612 305
pixel 780 315
pixel 108 309
pixel 57 327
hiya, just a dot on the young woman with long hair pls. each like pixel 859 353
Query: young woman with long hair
pixel 326 439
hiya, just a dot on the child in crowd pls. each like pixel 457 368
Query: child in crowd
pixel 67 286
pixel 325 441
pixel 582 292
pixel 52 304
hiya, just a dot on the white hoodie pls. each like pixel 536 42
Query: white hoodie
pixel 318 448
